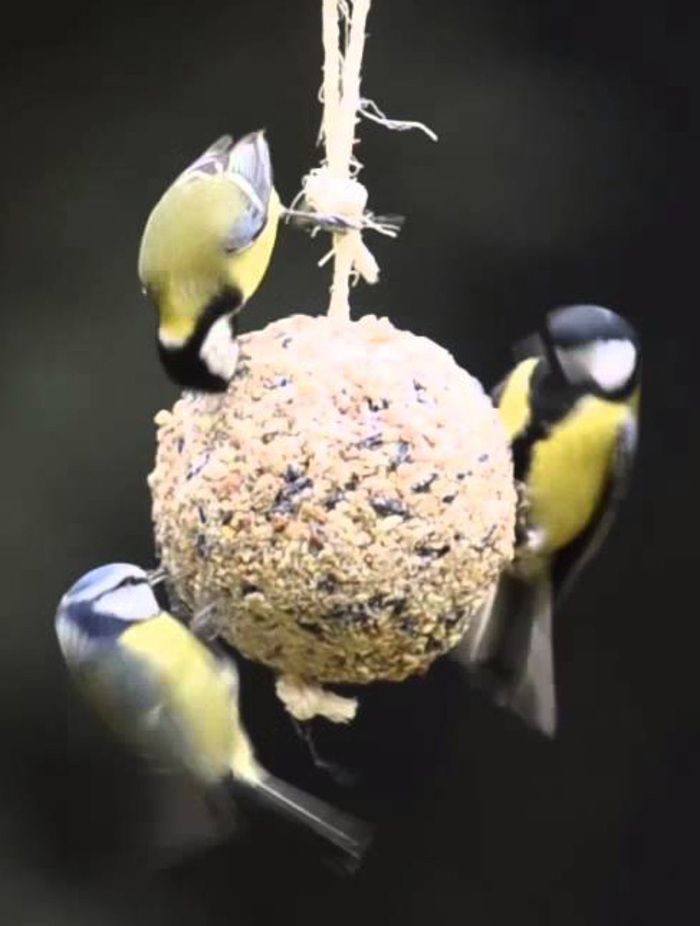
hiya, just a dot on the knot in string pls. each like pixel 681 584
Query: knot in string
pixel 305 701
pixel 338 204
pixel 344 197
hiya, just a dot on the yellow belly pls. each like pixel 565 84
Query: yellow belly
pixel 249 267
pixel 569 471
pixel 196 692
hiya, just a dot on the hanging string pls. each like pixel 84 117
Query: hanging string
pixel 332 197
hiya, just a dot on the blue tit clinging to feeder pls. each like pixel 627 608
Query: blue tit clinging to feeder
pixel 570 408
pixel 204 251
pixel 175 700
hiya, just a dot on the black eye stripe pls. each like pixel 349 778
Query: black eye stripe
pixel 126 582
pixel 131 580
pixel 96 626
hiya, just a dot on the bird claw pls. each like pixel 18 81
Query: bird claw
pixel 535 540
pixel 204 624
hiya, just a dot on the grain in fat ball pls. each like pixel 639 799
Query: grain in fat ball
pixel 358 500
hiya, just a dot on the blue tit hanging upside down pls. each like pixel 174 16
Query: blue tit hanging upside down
pixel 570 408
pixel 204 251
pixel 175 700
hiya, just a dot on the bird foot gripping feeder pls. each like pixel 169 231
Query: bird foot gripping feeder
pixel 345 508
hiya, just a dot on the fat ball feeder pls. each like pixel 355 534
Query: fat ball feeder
pixel 343 510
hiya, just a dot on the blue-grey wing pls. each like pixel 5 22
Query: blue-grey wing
pixel 212 162
pixel 249 167
pixel 250 160
pixel 246 228
pixel 129 694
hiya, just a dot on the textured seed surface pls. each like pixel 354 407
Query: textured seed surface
pixel 347 504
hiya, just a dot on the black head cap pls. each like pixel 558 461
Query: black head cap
pixel 577 325
pixel 594 349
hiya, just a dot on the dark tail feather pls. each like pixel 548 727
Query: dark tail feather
pixel 533 694
pixel 509 650
pixel 347 833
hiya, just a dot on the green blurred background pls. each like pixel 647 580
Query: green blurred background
pixel 565 170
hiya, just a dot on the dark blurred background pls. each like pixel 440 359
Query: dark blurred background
pixel 565 170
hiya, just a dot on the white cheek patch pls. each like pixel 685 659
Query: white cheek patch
pixel 219 350
pixel 129 603
pixel 609 364
pixel 99 581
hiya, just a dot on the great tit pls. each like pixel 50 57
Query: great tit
pixel 570 408
pixel 175 700
pixel 204 251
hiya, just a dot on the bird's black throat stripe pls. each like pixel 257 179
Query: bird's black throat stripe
pixel 550 399
pixel 183 364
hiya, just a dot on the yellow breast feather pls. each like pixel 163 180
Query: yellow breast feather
pixel 514 405
pixel 248 268
pixel 196 690
pixel 570 469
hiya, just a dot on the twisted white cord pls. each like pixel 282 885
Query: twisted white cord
pixel 332 193
pixel 370 110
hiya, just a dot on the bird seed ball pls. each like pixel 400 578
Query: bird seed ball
pixel 346 505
